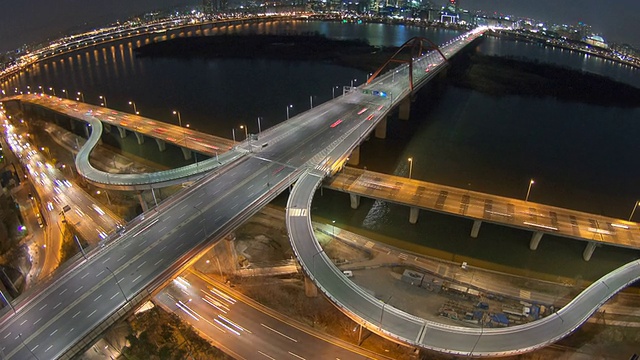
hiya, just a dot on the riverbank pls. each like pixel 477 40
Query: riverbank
pixel 501 76
pixel 294 47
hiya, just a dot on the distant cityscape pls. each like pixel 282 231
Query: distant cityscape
pixel 578 36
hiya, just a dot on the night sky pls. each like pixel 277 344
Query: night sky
pixel 25 21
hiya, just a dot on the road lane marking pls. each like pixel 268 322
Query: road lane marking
pixel 55 307
pixel 43 306
pixel 164 247
pixel 74 316
pixel 93 312
pixel 114 295
pixel 96 299
pixel 78 289
pixel 279 333
pixel 296 355
pixel 54 331
pixel 100 273
pixel 37 321
pixel 141 265
pixel 157 262
pixel 6 336
pixel 49 348
pixel 138 277
pixel 265 355
pixel 121 257
pixel 63 291
pixel 84 276
pixel 22 323
pixel 109 258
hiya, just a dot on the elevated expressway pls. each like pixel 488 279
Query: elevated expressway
pixel 481 207
pixel 96 118
pixel 72 310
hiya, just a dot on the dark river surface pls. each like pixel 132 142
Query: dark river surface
pixel 581 156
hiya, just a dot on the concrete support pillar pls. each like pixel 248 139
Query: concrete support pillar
pixel 123 132
pixel 381 129
pixel 140 138
pixel 143 203
pixel 535 240
pixel 413 215
pixel 106 127
pixel 588 251
pixel 162 146
pixel 310 289
pixel 355 201
pixel 404 109
pixel 186 152
pixel 476 228
pixel 354 158
pixel 86 131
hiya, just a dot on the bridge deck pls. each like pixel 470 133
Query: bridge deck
pixel 486 207
pixel 180 136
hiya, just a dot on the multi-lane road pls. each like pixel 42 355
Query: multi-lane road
pixel 486 207
pixel 162 241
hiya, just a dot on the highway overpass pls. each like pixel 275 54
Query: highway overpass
pixel 70 311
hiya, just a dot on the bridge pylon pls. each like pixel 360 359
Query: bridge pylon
pixel 412 49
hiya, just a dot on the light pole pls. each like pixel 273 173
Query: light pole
pixel 233 134
pixel 531 182
pixel 634 209
pixel 184 136
pixel 333 229
pixel 290 106
pixel 117 283
pixel 81 96
pixel 53 91
pixel 311 101
pixel 28 348
pixel 333 92
pixel 135 109
pixel 259 126
pixel 410 160
pixel 246 134
pixel 384 303
pixel 66 94
pixel 104 100
pixel 8 302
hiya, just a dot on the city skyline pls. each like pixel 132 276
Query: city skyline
pixel 20 25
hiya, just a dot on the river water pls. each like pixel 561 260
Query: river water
pixel 582 156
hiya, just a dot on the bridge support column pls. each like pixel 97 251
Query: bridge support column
pixel 86 131
pixel 186 152
pixel 143 203
pixel 588 251
pixel 162 146
pixel 381 129
pixel 310 289
pixel 106 127
pixel 535 240
pixel 413 215
pixel 355 201
pixel 123 132
pixel 476 228
pixel 140 138
pixel 354 158
pixel 404 109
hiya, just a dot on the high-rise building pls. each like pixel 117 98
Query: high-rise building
pixel 213 6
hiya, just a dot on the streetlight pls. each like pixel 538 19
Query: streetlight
pixel 246 134
pixel 66 94
pixel 53 91
pixel 531 182
pixel 81 96
pixel 259 127
pixel 117 283
pixel 333 91
pixel 410 160
pixel 135 109
pixel 333 229
pixel 634 209
pixel 104 99
pixel 184 136
pixel 384 303
pixel 8 302
pixel 290 106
